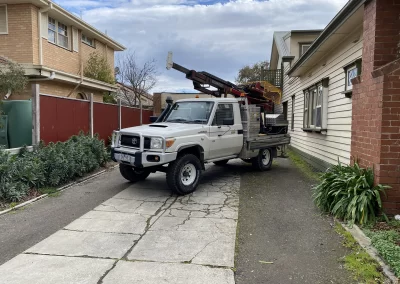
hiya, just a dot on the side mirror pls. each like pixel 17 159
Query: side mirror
pixel 228 121
pixel 153 119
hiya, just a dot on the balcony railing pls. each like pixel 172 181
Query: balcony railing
pixel 274 77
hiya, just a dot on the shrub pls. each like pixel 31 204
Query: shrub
pixel 49 166
pixel 348 192
pixel 386 244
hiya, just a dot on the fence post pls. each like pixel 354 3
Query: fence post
pixel 35 114
pixel 91 118
pixel 119 114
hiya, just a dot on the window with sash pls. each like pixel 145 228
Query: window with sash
pixel 58 33
pixel 314 104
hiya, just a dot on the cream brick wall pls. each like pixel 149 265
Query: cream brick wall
pixel 35 34
pixel 18 45
pixel 22 45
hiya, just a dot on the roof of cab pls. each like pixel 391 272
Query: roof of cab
pixel 225 100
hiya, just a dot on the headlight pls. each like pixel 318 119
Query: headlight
pixel 156 143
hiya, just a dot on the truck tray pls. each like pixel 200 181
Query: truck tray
pixel 264 141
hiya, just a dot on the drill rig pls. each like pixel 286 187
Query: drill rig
pixel 262 93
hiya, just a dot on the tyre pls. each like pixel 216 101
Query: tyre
pixel 263 161
pixel 132 174
pixel 221 163
pixel 184 174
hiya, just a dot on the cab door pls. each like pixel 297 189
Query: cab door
pixel 225 135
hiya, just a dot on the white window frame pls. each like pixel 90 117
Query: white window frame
pixel 306 109
pixel 6 32
pixel 315 99
pixel 292 113
pixel 349 85
pixel 85 39
pixel 57 33
pixel 351 67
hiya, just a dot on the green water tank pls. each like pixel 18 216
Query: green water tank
pixel 19 115
pixel 3 131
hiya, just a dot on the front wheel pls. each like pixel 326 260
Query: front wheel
pixel 263 161
pixel 132 174
pixel 184 174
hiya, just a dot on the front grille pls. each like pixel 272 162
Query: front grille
pixel 134 141
pixel 130 141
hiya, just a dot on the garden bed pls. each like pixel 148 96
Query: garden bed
pixel 385 238
pixel 34 193
pixel 30 174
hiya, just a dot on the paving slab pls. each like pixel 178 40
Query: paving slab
pixel 145 193
pixel 185 246
pixel 167 273
pixel 44 269
pixel 115 216
pixel 195 224
pixel 130 206
pixel 94 244
pixel 108 226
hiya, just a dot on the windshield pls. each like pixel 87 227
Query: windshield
pixel 190 112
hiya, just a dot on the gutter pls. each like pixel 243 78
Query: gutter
pixel 52 76
pixel 43 10
pixel 336 22
pixel 117 46
pixel 85 79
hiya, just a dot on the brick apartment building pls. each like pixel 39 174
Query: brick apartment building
pixel 53 46
pixel 341 90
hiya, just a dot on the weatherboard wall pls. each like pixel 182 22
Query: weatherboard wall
pixel 335 144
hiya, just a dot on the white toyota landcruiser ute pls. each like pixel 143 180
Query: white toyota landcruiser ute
pixel 192 132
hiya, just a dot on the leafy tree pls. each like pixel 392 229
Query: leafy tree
pixel 12 78
pixel 255 72
pixel 97 67
pixel 109 98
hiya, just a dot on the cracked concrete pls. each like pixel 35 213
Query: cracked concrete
pixel 142 235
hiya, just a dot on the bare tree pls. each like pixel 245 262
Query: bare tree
pixel 141 78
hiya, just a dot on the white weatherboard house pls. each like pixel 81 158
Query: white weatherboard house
pixel 317 67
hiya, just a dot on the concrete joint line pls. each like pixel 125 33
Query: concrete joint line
pixel 148 226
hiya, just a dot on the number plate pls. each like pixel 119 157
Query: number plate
pixel 124 158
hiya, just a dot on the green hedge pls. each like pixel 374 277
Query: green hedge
pixel 49 166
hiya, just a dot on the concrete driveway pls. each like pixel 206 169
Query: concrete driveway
pixel 142 235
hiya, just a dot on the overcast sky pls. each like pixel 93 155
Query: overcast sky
pixel 217 36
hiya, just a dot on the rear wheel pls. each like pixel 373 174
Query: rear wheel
pixel 133 174
pixel 263 161
pixel 184 174
pixel 221 163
